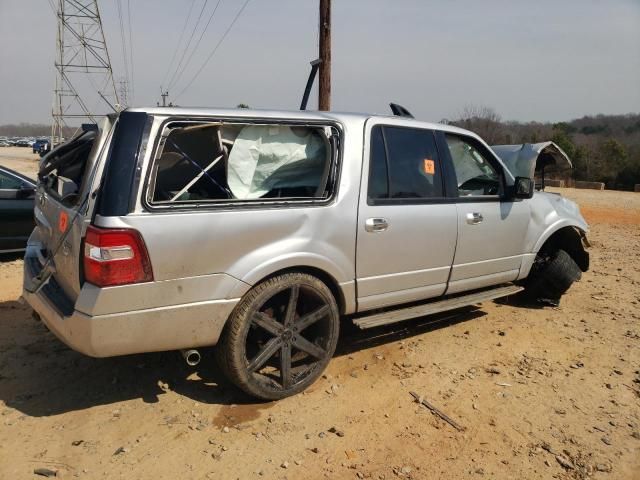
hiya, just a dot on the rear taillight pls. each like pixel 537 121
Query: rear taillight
pixel 115 257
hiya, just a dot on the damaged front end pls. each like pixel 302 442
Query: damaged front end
pixel 534 160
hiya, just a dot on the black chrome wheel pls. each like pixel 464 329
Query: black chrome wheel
pixel 281 336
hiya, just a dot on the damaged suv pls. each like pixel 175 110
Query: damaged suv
pixel 257 232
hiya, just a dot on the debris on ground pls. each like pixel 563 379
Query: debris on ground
pixel 566 463
pixel 436 411
pixel 45 472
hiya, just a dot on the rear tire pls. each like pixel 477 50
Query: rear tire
pixel 280 337
pixel 551 276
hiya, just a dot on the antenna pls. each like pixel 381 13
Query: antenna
pixel 83 67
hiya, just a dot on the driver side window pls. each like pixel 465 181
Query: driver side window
pixel 475 176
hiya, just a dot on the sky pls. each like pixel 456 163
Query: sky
pixel 548 60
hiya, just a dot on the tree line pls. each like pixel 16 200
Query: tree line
pixel 32 130
pixel 602 148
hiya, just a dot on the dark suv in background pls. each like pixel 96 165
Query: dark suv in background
pixel 17 194
pixel 41 146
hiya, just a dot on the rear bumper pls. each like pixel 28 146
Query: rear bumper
pixel 153 330
pixel 173 327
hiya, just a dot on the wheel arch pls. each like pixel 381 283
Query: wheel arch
pixel 321 275
pixel 570 238
pixel 343 292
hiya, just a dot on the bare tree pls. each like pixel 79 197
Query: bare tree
pixel 484 121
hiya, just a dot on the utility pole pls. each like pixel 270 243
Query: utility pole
pixel 164 96
pixel 324 86
pixel 83 67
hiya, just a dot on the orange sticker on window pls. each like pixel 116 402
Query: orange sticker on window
pixel 63 221
pixel 429 166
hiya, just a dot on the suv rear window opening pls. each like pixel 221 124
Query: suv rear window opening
pixel 233 162
pixel 63 169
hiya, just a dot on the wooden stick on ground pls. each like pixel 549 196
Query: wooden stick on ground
pixel 437 412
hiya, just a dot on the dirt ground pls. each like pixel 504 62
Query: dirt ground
pixel 542 393
pixel 21 159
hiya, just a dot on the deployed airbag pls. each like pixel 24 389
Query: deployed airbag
pixel 268 157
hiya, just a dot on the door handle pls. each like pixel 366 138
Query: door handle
pixel 376 224
pixel 474 218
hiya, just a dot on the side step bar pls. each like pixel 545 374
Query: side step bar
pixel 393 316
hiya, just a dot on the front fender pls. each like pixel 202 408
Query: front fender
pixel 565 234
pixel 579 224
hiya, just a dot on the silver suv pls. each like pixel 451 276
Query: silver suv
pixel 258 231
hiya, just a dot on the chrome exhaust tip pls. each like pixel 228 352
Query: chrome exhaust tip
pixel 191 356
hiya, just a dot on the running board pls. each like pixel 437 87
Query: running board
pixel 394 316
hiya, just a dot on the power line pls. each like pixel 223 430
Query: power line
pixel 318 33
pixel 125 58
pixel 175 52
pixel 186 48
pixel 215 49
pixel 53 8
pixel 131 50
pixel 193 50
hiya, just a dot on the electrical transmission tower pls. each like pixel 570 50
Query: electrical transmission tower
pixel 84 79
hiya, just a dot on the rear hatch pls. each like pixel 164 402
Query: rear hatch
pixel 68 177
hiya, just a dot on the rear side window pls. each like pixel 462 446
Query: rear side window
pixel 404 164
pixel 232 162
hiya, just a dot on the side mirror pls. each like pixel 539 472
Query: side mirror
pixel 523 187
pixel 25 192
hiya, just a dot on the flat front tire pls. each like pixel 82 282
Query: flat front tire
pixel 280 337
pixel 552 276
